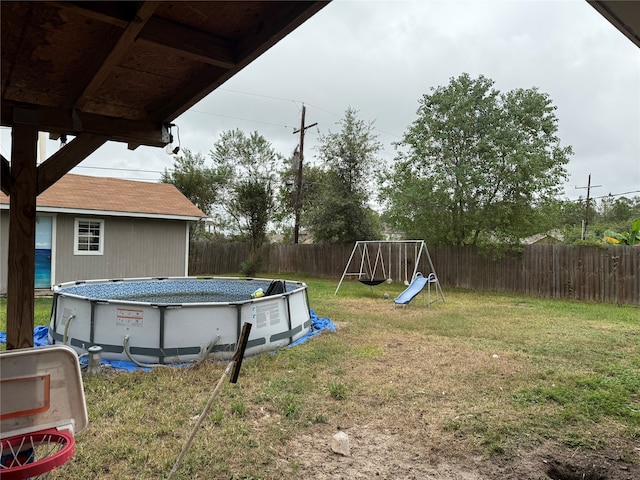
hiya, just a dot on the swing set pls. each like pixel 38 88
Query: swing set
pixel 379 261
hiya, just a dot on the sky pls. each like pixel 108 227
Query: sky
pixel 381 57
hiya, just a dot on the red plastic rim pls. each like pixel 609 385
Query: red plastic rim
pixel 40 465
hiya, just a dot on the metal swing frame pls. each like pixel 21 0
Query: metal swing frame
pixel 367 273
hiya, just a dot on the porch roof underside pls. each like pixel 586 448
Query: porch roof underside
pixel 623 14
pixel 123 69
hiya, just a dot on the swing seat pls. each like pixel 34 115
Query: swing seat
pixel 372 282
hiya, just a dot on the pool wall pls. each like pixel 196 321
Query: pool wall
pixel 99 312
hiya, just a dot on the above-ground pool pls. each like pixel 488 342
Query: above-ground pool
pixel 177 319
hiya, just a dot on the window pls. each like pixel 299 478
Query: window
pixel 88 237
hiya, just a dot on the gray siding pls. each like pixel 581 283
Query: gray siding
pixel 133 247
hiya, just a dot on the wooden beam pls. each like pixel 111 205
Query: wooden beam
pixel 73 122
pixel 187 42
pixel 190 43
pixel 121 48
pixel 61 162
pixel 5 175
pixel 181 101
pixel 113 13
pixel 22 237
pixel 251 47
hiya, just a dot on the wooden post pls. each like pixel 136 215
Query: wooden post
pixel 586 214
pixel 296 228
pixel 22 237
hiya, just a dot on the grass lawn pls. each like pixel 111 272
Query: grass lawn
pixel 483 386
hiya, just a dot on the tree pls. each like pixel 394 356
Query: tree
pixel 339 211
pixel 251 205
pixel 198 183
pixel 617 212
pixel 567 216
pixel 248 197
pixel 476 165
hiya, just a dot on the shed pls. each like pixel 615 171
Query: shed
pixel 97 227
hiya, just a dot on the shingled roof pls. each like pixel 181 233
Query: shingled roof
pixel 112 196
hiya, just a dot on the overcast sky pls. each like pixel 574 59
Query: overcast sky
pixel 381 57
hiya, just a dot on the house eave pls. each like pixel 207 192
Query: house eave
pixel 108 213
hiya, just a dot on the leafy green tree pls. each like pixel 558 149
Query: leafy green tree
pixel 566 216
pixel 339 211
pixel 617 212
pixel 476 165
pixel 197 182
pixel 571 213
pixel 246 202
pixel 250 205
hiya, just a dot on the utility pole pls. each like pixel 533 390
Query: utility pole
pixel 298 207
pixel 586 214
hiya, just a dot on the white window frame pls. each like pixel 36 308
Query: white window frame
pixel 76 237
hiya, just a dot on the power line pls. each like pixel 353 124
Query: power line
pixel 617 194
pixel 288 100
pixel 279 98
pixel 261 96
pixel 323 110
pixel 606 196
pixel 119 169
pixel 242 119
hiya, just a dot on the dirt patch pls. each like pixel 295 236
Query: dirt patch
pixel 401 399
pixel 375 453
pixel 378 452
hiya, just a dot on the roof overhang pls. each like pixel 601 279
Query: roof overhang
pixel 107 213
pixel 624 15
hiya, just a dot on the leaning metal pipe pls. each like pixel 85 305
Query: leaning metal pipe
pixel 207 351
pixel 66 328
pixel 125 344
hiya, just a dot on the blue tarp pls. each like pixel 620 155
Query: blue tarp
pixel 318 325
pixel 40 338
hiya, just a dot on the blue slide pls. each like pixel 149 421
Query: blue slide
pixel 413 289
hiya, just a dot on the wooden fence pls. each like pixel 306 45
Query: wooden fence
pixel 610 275
pixel 552 271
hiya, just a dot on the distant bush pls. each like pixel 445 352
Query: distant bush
pixel 632 237
pixel 249 268
pixel 590 242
